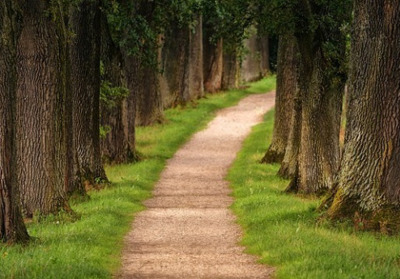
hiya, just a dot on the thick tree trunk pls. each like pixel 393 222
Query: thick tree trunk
pixel 286 86
pixel 369 179
pixel 231 70
pixel 12 228
pixel 41 167
pixel 213 65
pixel 85 85
pixel 114 145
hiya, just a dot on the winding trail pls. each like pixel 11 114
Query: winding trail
pixel 188 231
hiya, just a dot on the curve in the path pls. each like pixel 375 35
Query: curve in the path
pixel 188 230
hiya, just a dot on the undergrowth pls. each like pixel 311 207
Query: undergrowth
pixel 90 247
pixel 282 228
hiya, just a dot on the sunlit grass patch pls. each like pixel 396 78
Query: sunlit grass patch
pixel 282 228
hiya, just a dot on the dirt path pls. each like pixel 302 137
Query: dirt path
pixel 188 231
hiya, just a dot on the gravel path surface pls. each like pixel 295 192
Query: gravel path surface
pixel 188 231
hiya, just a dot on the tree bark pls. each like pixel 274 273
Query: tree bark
pixel 196 77
pixel 12 228
pixel 41 167
pixel 250 68
pixel 175 64
pixel 231 70
pixel 213 64
pixel 286 87
pixel 263 48
pixel 85 85
pixel 114 145
pixel 368 188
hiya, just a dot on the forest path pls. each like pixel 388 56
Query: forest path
pixel 188 230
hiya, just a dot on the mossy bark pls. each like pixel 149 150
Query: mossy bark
pixel 369 178
pixel 213 64
pixel 286 86
pixel 12 228
pixel 231 70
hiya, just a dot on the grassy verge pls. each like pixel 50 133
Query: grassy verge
pixel 282 230
pixel 90 247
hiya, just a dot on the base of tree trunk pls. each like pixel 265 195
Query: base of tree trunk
pixel 284 171
pixel 272 156
pixel 385 220
pixel 293 186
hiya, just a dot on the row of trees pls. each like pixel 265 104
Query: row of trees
pixel 76 77
pixel 322 46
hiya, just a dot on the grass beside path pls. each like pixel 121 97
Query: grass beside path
pixel 281 228
pixel 91 246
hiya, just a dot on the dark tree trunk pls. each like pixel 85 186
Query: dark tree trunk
pixel 114 145
pixel 321 82
pixel 263 48
pixel 175 62
pixel 42 168
pixel 231 70
pixel 369 179
pixel 85 85
pixel 213 65
pixel 286 86
pixel 196 78
pixel 12 228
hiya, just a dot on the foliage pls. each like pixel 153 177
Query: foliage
pixel 90 247
pixel 281 228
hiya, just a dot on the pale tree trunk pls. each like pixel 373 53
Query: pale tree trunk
pixel 42 169
pixel 213 65
pixel 12 228
pixel 368 188
pixel 286 87
pixel 85 86
pixel 250 68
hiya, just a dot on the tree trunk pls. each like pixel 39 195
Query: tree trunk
pixel 321 92
pixel 231 70
pixel 85 85
pixel 369 179
pixel 12 228
pixel 263 48
pixel 114 145
pixel 250 68
pixel 196 78
pixel 286 86
pixel 175 64
pixel 213 65
pixel 42 168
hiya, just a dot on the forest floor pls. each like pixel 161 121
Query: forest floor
pixel 188 230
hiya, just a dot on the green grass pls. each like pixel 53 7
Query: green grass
pixel 281 228
pixel 90 247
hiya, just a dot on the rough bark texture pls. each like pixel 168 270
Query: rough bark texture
pixel 286 86
pixel 231 70
pixel 85 86
pixel 114 145
pixel 12 228
pixel 321 82
pixel 213 64
pixel 40 114
pixel 369 179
